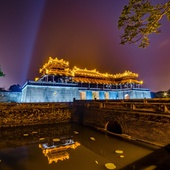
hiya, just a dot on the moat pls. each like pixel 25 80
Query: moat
pixel 73 146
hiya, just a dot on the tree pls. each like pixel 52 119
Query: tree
pixel 1 73
pixel 139 19
pixel 161 94
pixel 168 93
pixel 15 88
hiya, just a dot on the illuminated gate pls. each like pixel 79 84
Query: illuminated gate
pixel 82 95
pixel 95 95
pixel 106 95
pixel 127 96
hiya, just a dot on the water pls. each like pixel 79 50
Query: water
pixel 74 147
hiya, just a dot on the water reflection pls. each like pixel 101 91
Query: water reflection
pixel 56 151
pixel 70 146
pixel 15 135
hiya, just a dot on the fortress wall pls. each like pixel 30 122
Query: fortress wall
pixel 10 96
pixel 35 93
pixel 14 114
pixel 64 93
pixel 40 93
pixel 134 94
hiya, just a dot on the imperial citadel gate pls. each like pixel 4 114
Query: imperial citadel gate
pixel 59 83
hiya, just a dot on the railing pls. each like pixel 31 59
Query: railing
pixel 141 105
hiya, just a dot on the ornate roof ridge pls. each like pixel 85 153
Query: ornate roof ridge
pixel 61 67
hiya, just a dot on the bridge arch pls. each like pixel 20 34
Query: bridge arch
pixel 114 127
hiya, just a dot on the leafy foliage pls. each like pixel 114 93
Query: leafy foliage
pixel 15 88
pixel 2 90
pixel 168 93
pixel 139 19
pixel 1 73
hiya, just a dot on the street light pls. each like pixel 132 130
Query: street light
pixel 165 94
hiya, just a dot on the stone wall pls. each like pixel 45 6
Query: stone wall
pixel 50 92
pixel 8 96
pixel 151 127
pixel 66 93
pixel 45 93
pixel 15 114
pixel 144 120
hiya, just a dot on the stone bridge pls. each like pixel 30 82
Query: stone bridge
pixel 146 120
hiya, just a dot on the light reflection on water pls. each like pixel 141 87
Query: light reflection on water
pixel 58 150
pixel 87 149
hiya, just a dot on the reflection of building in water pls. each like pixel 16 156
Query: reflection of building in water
pixel 58 150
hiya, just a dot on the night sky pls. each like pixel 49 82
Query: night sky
pixel 83 32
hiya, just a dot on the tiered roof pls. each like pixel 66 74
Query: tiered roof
pixel 61 68
pixel 56 67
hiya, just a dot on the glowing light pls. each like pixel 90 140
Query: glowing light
pixel 61 67
pixel 165 94
pixel 56 67
pixel 36 78
pixel 56 153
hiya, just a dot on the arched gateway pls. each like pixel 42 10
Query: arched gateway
pixel 114 127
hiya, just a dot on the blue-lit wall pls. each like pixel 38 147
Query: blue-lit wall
pixel 117 94
pixel 38 93
pixel 53 93
pixel 102 95
pixel 10 96
pixel 113 95
pixel 134 93
pixel 89 95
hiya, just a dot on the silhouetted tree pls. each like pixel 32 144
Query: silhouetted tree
pixel 139 19
pixel 15 88
pixel 2 89
pixel 162 94
pixel 168 93
pixel 1 73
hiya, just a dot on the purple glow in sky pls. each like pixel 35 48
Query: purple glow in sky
pixel 83 32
